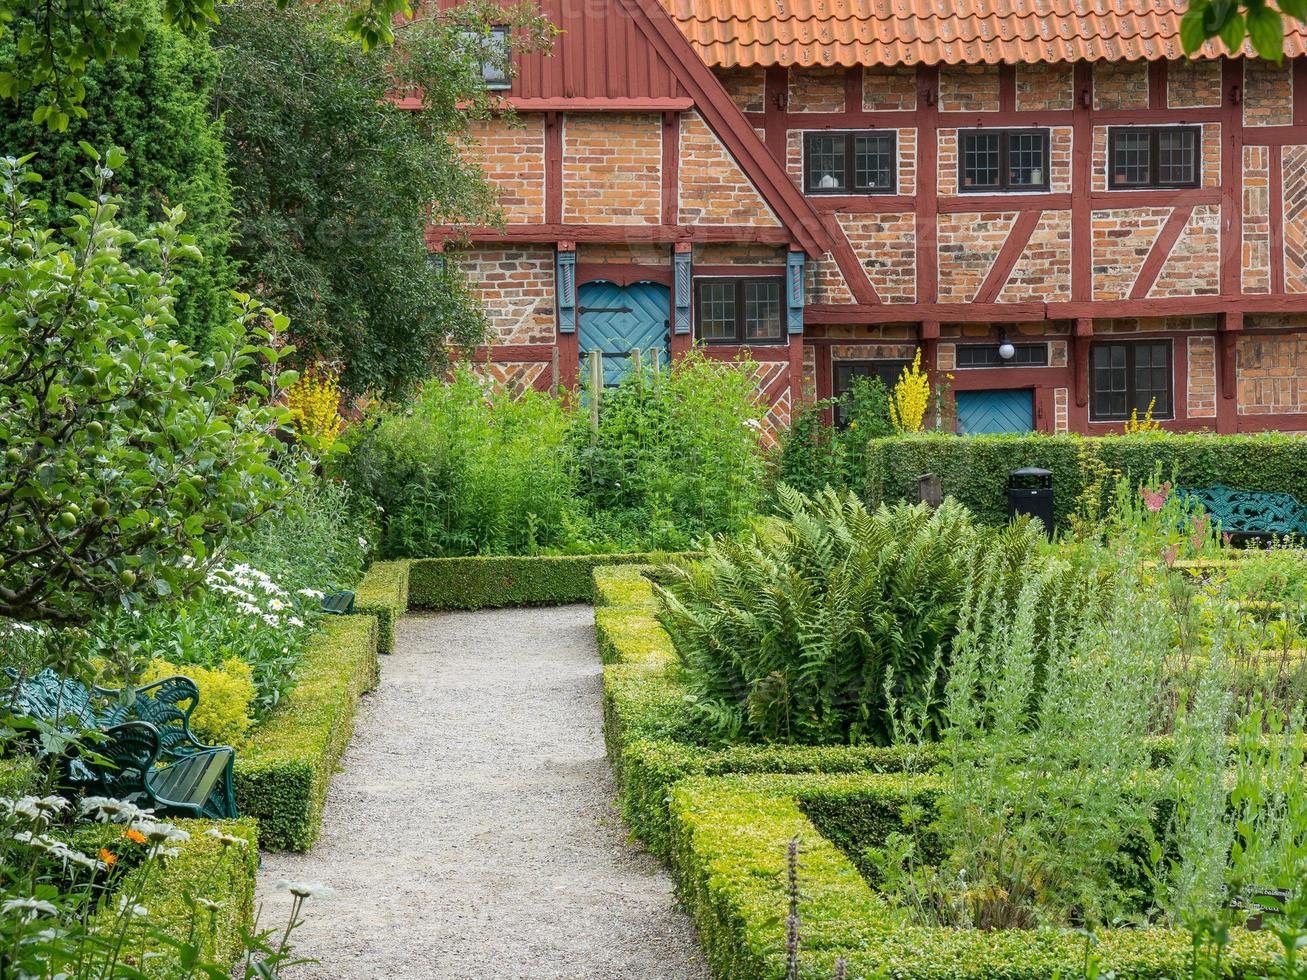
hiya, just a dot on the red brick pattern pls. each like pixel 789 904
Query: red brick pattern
pixel 512 157
pixel 1044 86
pixel 713 188
pixel 739 254
pixel 907 161
pixel 824 283
pixel 516 288
pixel 1061 414
pixel 1193 83
pixel 889 89
pixel 968 246
pixel 1043 271
pixel 515 376
pixel 656 255
pixel 886 245
pixel 612 168
pixel 946 161
pixel 1122 240
pixel 1256 257
pixel 1121 85
pixel 817 90
pixel 968 88
pixel 794 156
pixel 745 86
pixel 1061 141
pixel 1294 165
pixel 1268 93
pixel 1271 371
pixel 1201 403
pixel 1193 267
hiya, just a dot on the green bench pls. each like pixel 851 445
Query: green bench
pixel 1252 514
pixel 153 758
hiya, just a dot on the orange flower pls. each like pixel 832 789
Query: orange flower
pixel 134 835
pixel 108 857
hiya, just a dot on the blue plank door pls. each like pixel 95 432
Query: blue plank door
pixel 1004 410
pixel 616 320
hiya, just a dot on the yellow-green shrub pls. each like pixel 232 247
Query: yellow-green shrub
pixel 223 715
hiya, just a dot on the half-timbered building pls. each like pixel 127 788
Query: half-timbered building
pixel 1071 220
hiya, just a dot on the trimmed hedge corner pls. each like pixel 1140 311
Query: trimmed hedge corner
pixel 729 841
pixel 208 869
pixel 974 469
pixel 651 737
pixel 494 582
pixel 283 774
pixel 383 593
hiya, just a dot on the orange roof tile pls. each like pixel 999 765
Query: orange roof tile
pixel 728 33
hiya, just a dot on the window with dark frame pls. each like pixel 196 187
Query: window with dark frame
pixel 847 372
pixel 1154 156
pixel 1129 377
pixel 1003 160
pixel 746 310
pixel 986 356
pixel 493 51
pixel 850 162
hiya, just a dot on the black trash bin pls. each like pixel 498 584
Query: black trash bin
pixel 1030 491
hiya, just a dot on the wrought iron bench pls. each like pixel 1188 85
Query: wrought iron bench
pixel 155 760
pixel 1249 513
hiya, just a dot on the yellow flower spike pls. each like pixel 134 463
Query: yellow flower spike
pixel 314 402
pixel 910 398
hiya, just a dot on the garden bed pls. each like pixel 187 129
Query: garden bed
pixel 729 839
pixel 650 736
pixel 283 774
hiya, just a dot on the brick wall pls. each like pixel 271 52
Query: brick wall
pixel 1043 272
pixel 1271 371
pixel 1294 167
pixel 968 246
pixel 516 288
pixel 739 254
pixel 886 246
pixel 516 376
pixel 817 90
pixel 1193 83
pixel 1256 252
pixel 968 88
pixel 1061 415
pixel 824 283
pixel 1201 403
pixel 746 87
pixel 612 168
pixel 1043 87
pixel 1122 239
pixel 1193 266
pixel 889 89
pixel 1121 85
pixel 713 188
pixel 653 255
pixel 1268 93
pixel 512 157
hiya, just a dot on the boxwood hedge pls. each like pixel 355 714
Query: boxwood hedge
pixel 283 774
pixel 383 593
pixel 729 838
pixel 651 737
pixel 975 469
pixel 490 582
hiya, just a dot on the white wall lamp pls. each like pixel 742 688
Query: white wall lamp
pixel 1006 350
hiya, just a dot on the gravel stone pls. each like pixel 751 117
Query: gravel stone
pixel 472 831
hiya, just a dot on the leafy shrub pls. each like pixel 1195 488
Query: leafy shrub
pixel 226 694
pixel 468 469
pixel 677 455
pixel 815 455
pixel 831 625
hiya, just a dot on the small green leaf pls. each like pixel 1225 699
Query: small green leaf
pixel 1267 33
pixel 1192 32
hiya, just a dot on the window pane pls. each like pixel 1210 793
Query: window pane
pixel 826 162
pixel 1108 381
pixel 762 310
pixel 1025 160
pixel 1177 156
pixel 1153 378
pixel 1131 157
pixel 717 309
pixel 980 159
pixel 873 161
pixel 493 48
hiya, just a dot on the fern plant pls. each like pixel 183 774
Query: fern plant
pixel 828 625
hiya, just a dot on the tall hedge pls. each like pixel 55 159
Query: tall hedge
pixel 156 107
pixel 975 469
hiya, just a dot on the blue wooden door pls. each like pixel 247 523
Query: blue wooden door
pixel 1004 410
pixel 616 320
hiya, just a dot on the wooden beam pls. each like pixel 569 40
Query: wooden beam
pixel 1030 312
pixel 1157 255
pixel 553 168
pixel 1007 257
pixel 612 234
pixel 927 183
pixel 1275 193
pixel 1079 356
pixel 776 100
pixel 1232 178
pixel 1082 243
pixel 671 168
pixel 1300 92
pixel 1007 88
pixel 1157 85
pixel 601 105
pixel 1227 382
pixel 853 89
pixel 851 267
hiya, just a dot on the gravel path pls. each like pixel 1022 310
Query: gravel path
pixel 471 833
